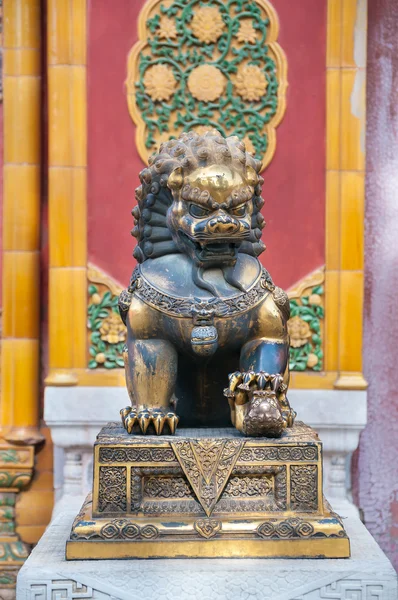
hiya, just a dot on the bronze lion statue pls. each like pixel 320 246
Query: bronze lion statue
pixel 199 305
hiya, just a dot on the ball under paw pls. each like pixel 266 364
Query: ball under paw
pixel 264 416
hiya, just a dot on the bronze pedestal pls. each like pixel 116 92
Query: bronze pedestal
pixel 207 493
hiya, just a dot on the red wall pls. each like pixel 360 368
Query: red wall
pixel 294 187
pixel 1 202
pixel 375 469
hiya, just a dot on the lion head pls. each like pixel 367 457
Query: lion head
pixel 201 196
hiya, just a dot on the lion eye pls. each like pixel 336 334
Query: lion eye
pixel 239 211
pixel 198 211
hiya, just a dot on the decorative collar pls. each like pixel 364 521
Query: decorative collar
pixel 200 309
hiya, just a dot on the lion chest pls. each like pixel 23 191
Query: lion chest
pixel 194 326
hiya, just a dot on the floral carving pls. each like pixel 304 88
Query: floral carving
pixel 206 83
pixel 299 331
pixel 304 487
pixel 107 333
pixel 304 326
pixel 250 82
pixel 167 29
pixel 159 82
pixel 112 489
pixel 207 24
pixel 214 65
pixel 246 32
pixel 112 329
pixel 207 464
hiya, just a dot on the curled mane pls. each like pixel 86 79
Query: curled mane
pixel 154 198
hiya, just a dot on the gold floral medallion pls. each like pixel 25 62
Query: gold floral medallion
pixel 206 83
pixel 250 82
pixel 159 82
pixel 207 24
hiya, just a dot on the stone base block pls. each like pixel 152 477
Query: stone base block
pixel 367 575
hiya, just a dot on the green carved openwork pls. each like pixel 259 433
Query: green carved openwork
pixel 107 332
pixel 306 314
pixel 208 65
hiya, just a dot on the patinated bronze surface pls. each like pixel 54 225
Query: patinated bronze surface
pixel 207 493
pixel 200 306
pixel 200 310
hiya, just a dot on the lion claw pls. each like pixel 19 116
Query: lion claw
pixel 147 419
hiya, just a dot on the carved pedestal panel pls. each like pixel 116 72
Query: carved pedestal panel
pixel 207 493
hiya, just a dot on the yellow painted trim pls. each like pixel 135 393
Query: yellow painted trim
pixel 67 181
pixel 19 411
pixel 345 193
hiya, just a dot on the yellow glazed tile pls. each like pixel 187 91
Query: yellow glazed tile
pixel 79 27
pixel 351 306
pixel 21 207
pixel 20 380
pixel 59 32
pixel 68 321
pixel 31 534
pixel 332 233
pixel 21 20
pixel 22 62
pixel 333 119
pixel 352 219
pixel 21 120
pixel 68 116
pixel 79 208
pixel 67 217
pixel 79 299
pixel 66 38
pixel 21 281
pixel 331 329
pixel 333 48
pixel 60 216
pixel 78 116
pixel 354 33
pixel 307 380
pixel 60 132
pixel 349 16
pixel 353 83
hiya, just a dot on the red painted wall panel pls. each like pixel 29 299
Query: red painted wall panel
pixel 294 187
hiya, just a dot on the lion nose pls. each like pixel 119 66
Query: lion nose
pixel 222 225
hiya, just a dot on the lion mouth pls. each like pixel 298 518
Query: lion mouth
pixel 219 250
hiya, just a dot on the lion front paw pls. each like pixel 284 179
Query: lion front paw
pixel 147 420
pixel 250 380
pixel 258 403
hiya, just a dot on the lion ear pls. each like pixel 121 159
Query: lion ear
pixel 251 176
pixel 175 179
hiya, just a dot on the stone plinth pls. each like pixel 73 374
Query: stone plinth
pixel 46 575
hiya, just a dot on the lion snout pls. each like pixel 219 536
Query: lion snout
pixel 222 225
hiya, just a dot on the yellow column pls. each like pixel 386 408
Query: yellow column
pixel 19 413
pixel 345 177
pixel 67 148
